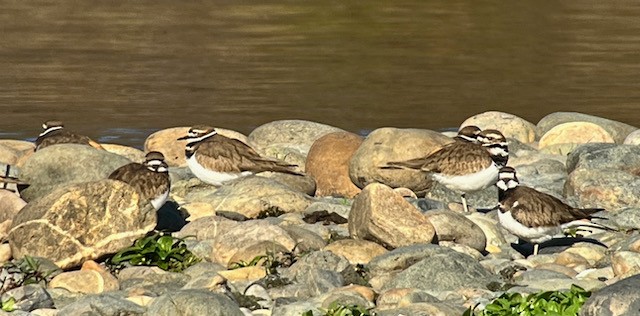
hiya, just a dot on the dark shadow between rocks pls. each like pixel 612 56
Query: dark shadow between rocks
pixel 170 217
pixel 554 245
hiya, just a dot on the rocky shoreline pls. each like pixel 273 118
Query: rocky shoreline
pixel 339 233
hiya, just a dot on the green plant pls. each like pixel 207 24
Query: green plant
pixel 26 270
pixel 558 303
pixel 164 251
pixel 243 264
pixel 338 309
pixel 9 305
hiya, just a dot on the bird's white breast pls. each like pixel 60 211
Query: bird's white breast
pixel 158 202
pixel 470 182
pixel 210 176
pixel 531 234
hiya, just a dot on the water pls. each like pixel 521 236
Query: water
pixel 120 70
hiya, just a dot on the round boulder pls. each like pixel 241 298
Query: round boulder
pixel 510 125
pixel 388 144
pixel 633 138
pixel 63 164
pixel 617 130
pixel 620 298
pixel 166 141
pixel 575 133
pixel 328 163
pixel 298 134
pixel 610 156
pixel 607 188
pixel 133 154
pixel 81 222
pixel 456 227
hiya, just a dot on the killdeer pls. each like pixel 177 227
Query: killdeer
pixel 54 133
pixel 534 216
pixel 462 166
pixel 216 159
pixel 150 179
pixel 496 144
pixel 468 134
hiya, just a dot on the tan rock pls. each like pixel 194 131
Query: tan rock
pixel 491 229
pixel 141 300
pixel 80 222
pixel 82 281
pixel 605 188
pixel 166 141
pixel 593 253
pixel 8 155
pixel 19 145
pixel 510 125
pixel 198 210
pixel 617 130
pixel 571 260
pixel 244 274
pixel 558 268
pixel 207 228
pixel 457 228
pixel 252 195
pixel 261 248
pixel 133 154
pixel 378 213
pixel 328 162
pixel 296 134
pixel 213 281
pixel 365 292
pixel 387 144
pixel 44 312
pixel 110 282
pixel 576 133
pixel 5 253
pixel 625 263
pixel 633 138
pixel 245 234
pixel 10 204
pixel 357 251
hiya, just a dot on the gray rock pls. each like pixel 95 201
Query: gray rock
pixel 203 267
pixel 306 240
pixel 538 274
pixel 446 270
pixel 103 304
pixel 617 130
pixel 510 125
pixel 155 285
pixel 81 222
pixel 297 134
pixel 546 175
pixel 303 184
pixel 317 282
pixel 607 188
pixel 206 228
pixel 392 144
pixel 609 156
pixel 457 228
pixel 346 299
pixel 65 164
pixel 193 303
pixel 402 258
pixel 423 309
pixel 483 199
pixel 252 195
pixel 341 207
pixel 381 215
pixel 294 307
pixel 427 204
pixel 29 297
pixel 620 298
pixel 319 260
pixel 627 218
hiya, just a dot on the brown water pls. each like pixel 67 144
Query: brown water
pixel 121 70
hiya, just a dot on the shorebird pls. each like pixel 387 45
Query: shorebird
pixel 463 166
pixel 216 159
pixel 150 179
pixel 54 133
pixel 535 216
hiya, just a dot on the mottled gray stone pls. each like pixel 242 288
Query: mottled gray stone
pixel 103 304
pixel 193 303
pixel 611 156
pixel 298 134
pixel 29 297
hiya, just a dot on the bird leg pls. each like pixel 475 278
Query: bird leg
pixel 535 249
pixel 464 203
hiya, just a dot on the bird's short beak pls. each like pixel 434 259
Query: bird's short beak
pixel 183 138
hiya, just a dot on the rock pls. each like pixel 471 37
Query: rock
pixel 296 134
pixel 355 250
pixel 250 273
pixel 198 210
pixel 510 125
pixel 605 156
pixel 285 307
pixel 379 214
pixel 81 222
pixel 296 155
pixel 625 263
pixel 110 283
pixel 490 228
pixel 387 144
pixel 66 164
pixel 546 175
pixel 443 270
pixel 457 228
pixel 319 260
pixel 483 199
pixel 8 155
pixel 246 234
pixel 5 253
pixel 620 298
pixel 617 130
pixel 303 184
pixel 607 188
pixel 10 204
pixel 21 146
pixel 103 304
pixel 423 309
pixel 261 248
pixel 154 285
pixel 633 138
pixel 193 303
pixel 305 239
pixel 29 297
pixel 133 154
pixel 328 162
pixel 166 141
pixel 206 228
pixel 83 281
pixel 252 195
pixel 393 298
pixel 575 133
pixel 337 296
